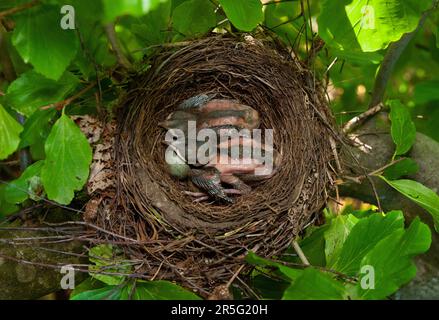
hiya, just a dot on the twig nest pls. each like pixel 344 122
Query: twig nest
pixel 201 245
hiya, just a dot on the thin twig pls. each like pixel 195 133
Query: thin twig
pixel 359 179
pixel 380 170
pixel 358 120
pixel 19 8
pixel 300 253
pixel 277 2
pixel 235 275
pixel 59 266
pixel 375 192
pixel 82 223
pixel 164 45
pixel 96 69
pixel 60 105
pixel 300 265
pixel 335 153
pixel 115 45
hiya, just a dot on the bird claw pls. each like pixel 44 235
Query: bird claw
pixel 233 191
pixel 198 196
pixel 201 196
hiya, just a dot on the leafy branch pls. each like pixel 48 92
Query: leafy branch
pixel 61 104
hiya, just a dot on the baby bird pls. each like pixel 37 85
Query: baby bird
pixel 210 113
pixel 196 101
pixel 224 117
pixel 207 179
pixel 239 166
pixel 239 175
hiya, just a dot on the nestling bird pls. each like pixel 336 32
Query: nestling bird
pixel 248 169
pixel 196 101
pixel 207 179
pixel 241 166
pixel 234 164
pixel 212 113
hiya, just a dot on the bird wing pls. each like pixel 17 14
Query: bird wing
pixel 209 181
pixel 196 101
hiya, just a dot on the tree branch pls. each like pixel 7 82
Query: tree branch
pixel 355 122
pixel 19 8
pixel 60 105
pixel 115 45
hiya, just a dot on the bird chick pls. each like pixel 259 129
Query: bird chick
pixel 176 165
pixel 239 165
pixel 230 112
pixel 225 118
pixel 212 113
pixel 196 101
pixel 207 179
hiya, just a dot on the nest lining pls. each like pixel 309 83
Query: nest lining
pixel 202 244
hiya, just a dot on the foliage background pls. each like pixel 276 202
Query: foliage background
pixel 49 73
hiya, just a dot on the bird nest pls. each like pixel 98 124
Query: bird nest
pixel 202 245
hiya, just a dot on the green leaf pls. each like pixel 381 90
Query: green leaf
pixel 426 91
pixel 336 234
pixel 194 17
pixel 176 3
pixel 105 293
pixel 363 237
pixel 360 214
pixel 21 189
pixel 68 157
pixel 152 28
pixel 391 260
pixel 269 287
pixel 315 285
pixel 313 246
pixel 358 57
pixel 244 15
pixel 114 9
pixel 41 41
pixel 403 129
pixel 157 290
pixel 32 90
pixel 37 127
pixel 140 290
pixel 6 207
pixel 423 196
pixel 290 273
pixel 367 25
pixel 282 18
pixel 87 285
pixel 404 167
pixel 9 133
pixel 110 260
pixel 86 12
pixel 89 16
